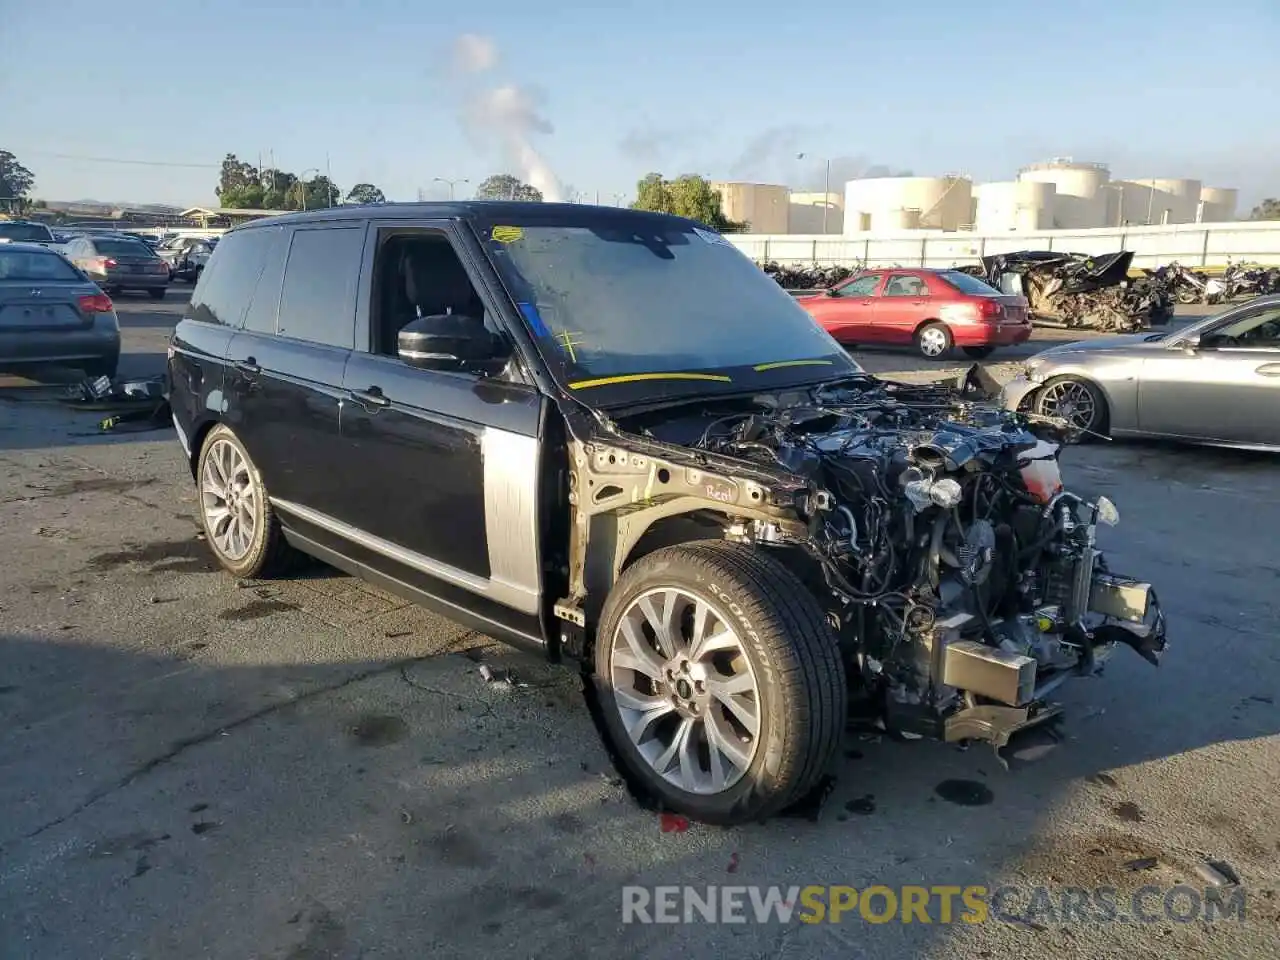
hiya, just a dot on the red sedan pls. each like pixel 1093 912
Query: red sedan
pixel 935 310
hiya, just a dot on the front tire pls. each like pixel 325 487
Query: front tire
pixel 1079 402
pixel 720 683
pixel 239 524
pixel 933 340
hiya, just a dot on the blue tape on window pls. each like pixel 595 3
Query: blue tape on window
pixel 534 319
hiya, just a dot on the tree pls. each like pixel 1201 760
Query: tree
pixel 15 179
pixel 366 193
pixel 236 177
pixel 1268 209
pixel 689 196
pixel 503 186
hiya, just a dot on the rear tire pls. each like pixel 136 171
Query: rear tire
pixel 241 528
pixel 979 353
pixel 760 702
pixel 933 340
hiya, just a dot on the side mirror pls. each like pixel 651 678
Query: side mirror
pixel 830 292
pixel 451 341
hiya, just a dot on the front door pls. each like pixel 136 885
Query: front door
pixel 447 464
pixel 848 312
pixel 902 307
pixel 1227 389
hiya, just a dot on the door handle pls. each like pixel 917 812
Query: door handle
pixel 248 365
pixel 374 397
pixel 1269 370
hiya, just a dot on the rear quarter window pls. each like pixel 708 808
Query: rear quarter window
pixel 226 287
pixel 968 284
pixel 318 298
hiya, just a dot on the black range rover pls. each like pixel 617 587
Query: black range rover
pixel 606 435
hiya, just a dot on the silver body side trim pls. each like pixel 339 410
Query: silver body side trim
pixel 516 597
pixel 511 470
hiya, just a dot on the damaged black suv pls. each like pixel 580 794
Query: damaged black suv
pixel 606 435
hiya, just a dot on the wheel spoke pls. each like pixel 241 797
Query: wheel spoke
pixel 637 655
pixel 660 618
pixel 723 639
pixel 744 710
pixel 680 750
pixel 722 739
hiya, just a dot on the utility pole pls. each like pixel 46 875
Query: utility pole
pixel 328 176
pixel 826 190
pixel 618 198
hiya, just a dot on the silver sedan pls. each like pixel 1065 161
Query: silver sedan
pixel 1214 382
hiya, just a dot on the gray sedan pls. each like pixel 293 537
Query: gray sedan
pixel 1215 382
pixel 51 313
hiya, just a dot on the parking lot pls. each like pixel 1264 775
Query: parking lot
pixel 192 766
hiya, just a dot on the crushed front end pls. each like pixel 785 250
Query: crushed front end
pixel 963 581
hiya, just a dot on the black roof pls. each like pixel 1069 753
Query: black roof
pixel 515 210
pixel 25 247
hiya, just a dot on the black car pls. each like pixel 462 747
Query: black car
pixel 117 262
pixel 606 435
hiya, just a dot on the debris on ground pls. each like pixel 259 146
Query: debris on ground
pixel 1217 873
pixel 673 823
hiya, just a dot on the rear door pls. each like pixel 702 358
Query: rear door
pixel 848 311
pixel 284 368
pixel 904 305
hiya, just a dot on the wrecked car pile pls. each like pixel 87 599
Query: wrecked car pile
pixel 793 277
pixel 961 578
pixel 1080 291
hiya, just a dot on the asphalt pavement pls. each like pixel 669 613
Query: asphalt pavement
pixel 192 766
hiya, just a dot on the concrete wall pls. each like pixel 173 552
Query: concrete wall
pixel 807 213
pixel 940 203
pixel 1210 245
pixel 764 206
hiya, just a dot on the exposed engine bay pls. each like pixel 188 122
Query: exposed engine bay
pixel 962 579
pixel 1080 291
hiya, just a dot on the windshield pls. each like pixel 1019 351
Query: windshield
pixel 29 267
pixel 968 284
pixel 123 248
pixel 628 299
pixel 19 232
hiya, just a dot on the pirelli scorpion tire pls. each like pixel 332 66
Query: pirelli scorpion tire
pixel 239 524
pixel 719 682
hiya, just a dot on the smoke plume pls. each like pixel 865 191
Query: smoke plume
pixel 509 111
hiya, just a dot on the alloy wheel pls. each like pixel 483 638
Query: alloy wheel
pixel 1070 400
pixel 685 690
pixel 229 500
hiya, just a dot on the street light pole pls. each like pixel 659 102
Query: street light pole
pixel 302 182
pixel 451 183
pixel 826 190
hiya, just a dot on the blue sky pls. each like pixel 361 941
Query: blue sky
pixel 727 88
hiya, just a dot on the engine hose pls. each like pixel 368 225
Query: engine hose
pixel 1040 544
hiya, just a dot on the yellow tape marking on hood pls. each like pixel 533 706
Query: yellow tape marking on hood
pixel 777 364
pixel 641 377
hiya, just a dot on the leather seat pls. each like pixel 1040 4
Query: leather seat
pixel 436 283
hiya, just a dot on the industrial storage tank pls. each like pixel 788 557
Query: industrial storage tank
pixel 1218 204
pixel 1183 201
pixel 1014 205
pixel 1080 191
pixel 878 203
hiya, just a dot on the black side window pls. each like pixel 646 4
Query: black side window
pixel 261 317
pixel 227 284
pixel 318 299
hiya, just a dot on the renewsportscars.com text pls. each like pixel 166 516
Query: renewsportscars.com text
pixel 940 904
